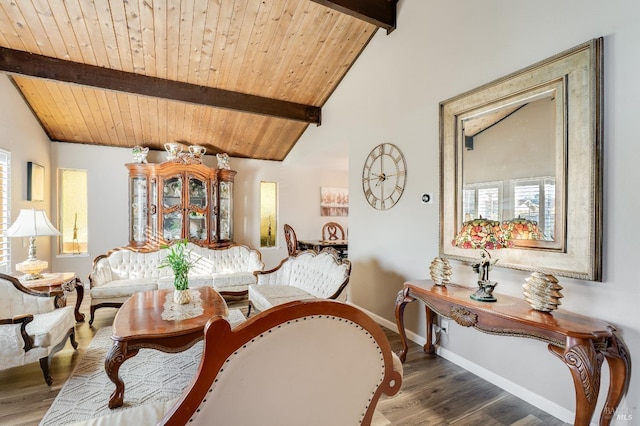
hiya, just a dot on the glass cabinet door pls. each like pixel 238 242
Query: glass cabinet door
pixel 214 212
pixel 138 205
pixel 172 218
pixel 153 207
pixel 197 207
pixel 225 210
pixel 172 225
pixel 172 192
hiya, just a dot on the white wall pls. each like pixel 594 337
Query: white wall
pixel 25 140
pixel 442 49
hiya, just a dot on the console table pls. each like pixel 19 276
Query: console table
pixel 582 343
pixel 57 283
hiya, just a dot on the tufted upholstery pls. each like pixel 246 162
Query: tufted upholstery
pixel 307 275
pixel 31 328
pixel 124 271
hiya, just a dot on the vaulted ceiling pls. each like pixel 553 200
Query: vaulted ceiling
pixel 245 77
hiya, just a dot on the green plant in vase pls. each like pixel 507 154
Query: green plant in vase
pixel 180 261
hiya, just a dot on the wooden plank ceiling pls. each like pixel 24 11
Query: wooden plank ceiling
pixel 245 77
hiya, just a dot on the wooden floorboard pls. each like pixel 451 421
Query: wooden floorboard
pixel 434 390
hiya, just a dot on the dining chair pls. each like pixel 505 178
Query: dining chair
pixel 332 231
pixel 291 239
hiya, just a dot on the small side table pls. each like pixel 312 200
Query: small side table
pixel 59 283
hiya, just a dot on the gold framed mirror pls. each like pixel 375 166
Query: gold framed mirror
pixel 527 148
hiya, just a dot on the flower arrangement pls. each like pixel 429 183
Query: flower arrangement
pixel 180 261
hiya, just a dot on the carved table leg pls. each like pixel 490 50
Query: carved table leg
pixel 79 296
pixel 429 347
pixel 114 359
pixel 401 301
pixel 585 364
pixel 619 362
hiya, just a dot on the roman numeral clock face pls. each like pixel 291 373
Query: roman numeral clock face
pixel 384 176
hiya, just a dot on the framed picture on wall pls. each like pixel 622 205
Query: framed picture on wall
pixel 35 182
pixel 334 202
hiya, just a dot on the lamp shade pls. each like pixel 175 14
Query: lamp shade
pixel 31 223
pixel 521 229
pixel 480 234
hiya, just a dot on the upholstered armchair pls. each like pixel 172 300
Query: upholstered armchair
pixel 313 362
pixel 32 328
pixel 306 275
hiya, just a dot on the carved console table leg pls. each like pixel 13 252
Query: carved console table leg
pixel 619 362
pixel 585 364
pixel 429 315
pixel 114 359
pixel 401 302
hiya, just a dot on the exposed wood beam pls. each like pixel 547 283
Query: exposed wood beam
pixel 33 65
pixel 378 12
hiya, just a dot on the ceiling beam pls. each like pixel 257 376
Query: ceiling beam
pixel 381 13
pixel 22 63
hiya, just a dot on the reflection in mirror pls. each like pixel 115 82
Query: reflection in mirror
pixel 525 150
pixel 510 166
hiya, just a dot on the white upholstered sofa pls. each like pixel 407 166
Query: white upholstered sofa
pixel 32 327
pixel 115 276
pixel 306 275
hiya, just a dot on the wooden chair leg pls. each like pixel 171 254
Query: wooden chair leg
pixel 95 307
pixel 44 365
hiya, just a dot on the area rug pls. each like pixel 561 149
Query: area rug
pixel 150 376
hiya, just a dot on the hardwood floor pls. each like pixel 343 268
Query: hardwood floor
pixel 434 390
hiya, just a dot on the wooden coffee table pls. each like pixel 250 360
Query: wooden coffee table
pixel 139 324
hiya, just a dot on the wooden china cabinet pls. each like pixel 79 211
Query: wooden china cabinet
pixel 172 201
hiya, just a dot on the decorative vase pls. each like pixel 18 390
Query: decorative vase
pixel 542 292
pixel 181 297
pixel 440 271
pixel 140 154
pixel 197 152
pixel 173 149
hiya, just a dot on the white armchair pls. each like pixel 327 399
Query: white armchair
pixel 306 275
pixel 32 329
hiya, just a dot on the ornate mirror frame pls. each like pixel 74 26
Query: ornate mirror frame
pixel 574 78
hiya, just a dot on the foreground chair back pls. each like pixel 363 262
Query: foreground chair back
pixel 302 363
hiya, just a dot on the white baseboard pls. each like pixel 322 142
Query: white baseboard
pixel 524 394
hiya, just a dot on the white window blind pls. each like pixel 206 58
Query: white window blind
pixel 5 210
pixel 535 199
pixel 482 200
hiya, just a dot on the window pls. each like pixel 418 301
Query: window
pixel 535 199
pixel 72 211
pixel 5 216
pixel 268 217
pixel 482 200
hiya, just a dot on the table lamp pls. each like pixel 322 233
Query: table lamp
pixel 32 223
pixel 483 234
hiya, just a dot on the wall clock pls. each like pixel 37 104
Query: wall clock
pixel 384 176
